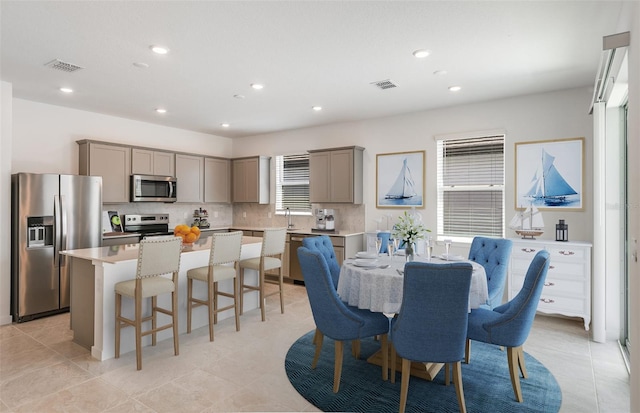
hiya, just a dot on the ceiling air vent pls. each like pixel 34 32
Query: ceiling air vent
pixel 64 66
pixel 384 84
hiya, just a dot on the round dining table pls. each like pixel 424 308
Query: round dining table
pixel 378 287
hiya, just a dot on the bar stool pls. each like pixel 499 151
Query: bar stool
pixel 225 250
pixel 155 259
pixel 273 244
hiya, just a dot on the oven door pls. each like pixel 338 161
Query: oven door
pixel 151 188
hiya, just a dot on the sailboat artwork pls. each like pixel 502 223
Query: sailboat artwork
pixel 400 180
pixel 403 187
pixel 548 185
pixel 528 223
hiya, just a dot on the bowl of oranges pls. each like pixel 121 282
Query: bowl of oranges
pixel 188 234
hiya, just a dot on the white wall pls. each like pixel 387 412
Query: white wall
pixel 562 114
pixel 5 201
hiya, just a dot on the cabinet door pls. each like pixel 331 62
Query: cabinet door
pixel 164 164
pixel 113 164
pixel 319 170
pixel 190 176
pixel 252 180
pixel 341 176
pixel 217 177
pixel 239 187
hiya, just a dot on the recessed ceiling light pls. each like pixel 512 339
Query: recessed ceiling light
pixel 440 72
pixel 317 108
pixel 159 49
pixel 257 86
pixel 421 53
pixel 161 110
pixel 66 90
pixel 225 125
pixel 141 65
pixel 454 88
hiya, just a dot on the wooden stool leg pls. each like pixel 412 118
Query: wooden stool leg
pixel 212 307
pixel 189 303
pixel 154 318
pixel 281 293
pixel 235 303
pixel 174 320
pixel 138 327
pixel 262 303
pixel 118 324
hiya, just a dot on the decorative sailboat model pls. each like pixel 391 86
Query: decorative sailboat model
pixel 403 187
pixel 528 223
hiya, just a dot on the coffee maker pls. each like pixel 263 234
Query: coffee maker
pixel 325 220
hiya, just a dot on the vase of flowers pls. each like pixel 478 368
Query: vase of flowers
pixel 409 229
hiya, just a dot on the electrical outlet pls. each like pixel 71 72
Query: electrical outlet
pixel 244 215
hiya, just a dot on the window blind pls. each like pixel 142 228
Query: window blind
pixel 292 183
pixel 470 176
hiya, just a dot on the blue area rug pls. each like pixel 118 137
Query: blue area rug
pixel 486 383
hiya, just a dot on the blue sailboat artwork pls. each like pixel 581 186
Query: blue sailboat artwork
pixel 548 187
pixel 403 191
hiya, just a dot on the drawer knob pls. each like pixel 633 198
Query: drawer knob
pixel 566 252
pixel 547 300
pixel 528 250
pixel 549 284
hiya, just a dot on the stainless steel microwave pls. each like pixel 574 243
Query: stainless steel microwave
pixel 152 188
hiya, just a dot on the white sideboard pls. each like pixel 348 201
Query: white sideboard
pixel 567 289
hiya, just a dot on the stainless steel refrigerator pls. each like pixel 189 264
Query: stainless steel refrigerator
pixel 49 213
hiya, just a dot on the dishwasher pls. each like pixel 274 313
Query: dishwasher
pixel 295 272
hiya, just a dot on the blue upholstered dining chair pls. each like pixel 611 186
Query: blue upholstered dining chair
pixel 509 325
pixel 432 323
pixel 493 254
pixel 334 318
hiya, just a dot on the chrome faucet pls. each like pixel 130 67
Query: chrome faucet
pixel 287 214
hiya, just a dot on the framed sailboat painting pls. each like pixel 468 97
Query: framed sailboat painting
pixel 400 179
pixel 550 174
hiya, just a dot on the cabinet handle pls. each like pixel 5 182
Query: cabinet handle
pixel 566 252
pixel 547 300
pixel 549 284
pixel 528 250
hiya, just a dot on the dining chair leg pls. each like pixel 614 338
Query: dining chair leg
pixel 521 364
pixel 235 303
pixel 457 381
pixel 404 384
pixel 512 356
pixel 355 348
pixel 467 351
pixel 174 321
pixel 318 341
pixel 241 290
pixel 189 303
pixel 118 324
pixel 337 369
pixel 262 303
pixel 212 301
pixel 138 327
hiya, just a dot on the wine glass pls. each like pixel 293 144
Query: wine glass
pixel 391 248
pixel 447 247
pixel 378 245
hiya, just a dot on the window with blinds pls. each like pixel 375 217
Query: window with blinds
pixel 292 183
pixel 470 180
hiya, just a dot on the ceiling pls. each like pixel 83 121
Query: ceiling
pixel 305 53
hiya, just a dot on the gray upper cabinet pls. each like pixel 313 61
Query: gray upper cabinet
pixel 190 176
pixel 149 162
pixel 335 175
pixel 112 163
pixel 250 178
pixel 217 180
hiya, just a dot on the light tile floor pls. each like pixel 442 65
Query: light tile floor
pixel 42 370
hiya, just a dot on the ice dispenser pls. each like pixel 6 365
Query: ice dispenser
pixel 39 231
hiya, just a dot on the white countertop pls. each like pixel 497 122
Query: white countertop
pixel 120 253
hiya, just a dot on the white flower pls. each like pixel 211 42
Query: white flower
pixel 409 228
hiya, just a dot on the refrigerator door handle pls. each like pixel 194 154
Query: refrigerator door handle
pixel 60 243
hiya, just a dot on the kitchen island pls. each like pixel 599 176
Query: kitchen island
pixel 95 271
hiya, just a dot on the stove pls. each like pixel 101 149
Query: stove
pixel 147 224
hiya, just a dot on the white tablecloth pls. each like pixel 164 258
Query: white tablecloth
pixel 380 290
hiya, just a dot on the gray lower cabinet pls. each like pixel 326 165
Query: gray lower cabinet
pixel 120 240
